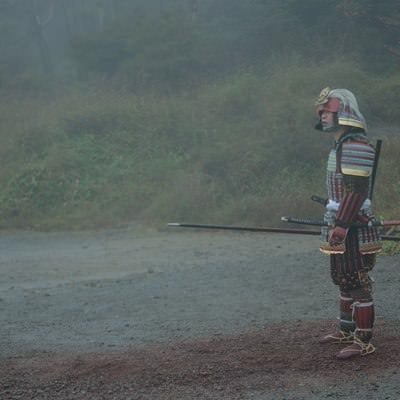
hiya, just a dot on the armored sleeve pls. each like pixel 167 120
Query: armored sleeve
pixel 356 164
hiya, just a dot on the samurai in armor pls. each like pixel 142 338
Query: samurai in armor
pixel 352 250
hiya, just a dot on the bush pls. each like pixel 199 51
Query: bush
pixel 240 150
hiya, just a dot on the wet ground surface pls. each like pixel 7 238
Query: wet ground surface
pixel 140 314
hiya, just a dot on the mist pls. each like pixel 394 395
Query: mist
pixel 184 108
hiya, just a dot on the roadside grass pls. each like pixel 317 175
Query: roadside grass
pixel 241 150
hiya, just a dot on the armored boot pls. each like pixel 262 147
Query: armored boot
pixel 364 315
pixel 344 334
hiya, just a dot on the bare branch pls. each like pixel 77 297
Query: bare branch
pixel 43 22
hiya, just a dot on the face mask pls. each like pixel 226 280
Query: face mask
pixel 330 127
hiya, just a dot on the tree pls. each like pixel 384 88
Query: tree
pixel 385 16
pixel 40 14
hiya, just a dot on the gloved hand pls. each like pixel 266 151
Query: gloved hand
pixel 337 235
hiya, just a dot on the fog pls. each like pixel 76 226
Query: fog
pixel 82 39
pixel 180 109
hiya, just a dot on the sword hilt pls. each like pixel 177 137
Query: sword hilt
pixel 319 199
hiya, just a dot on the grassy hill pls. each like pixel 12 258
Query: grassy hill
pixel 241 149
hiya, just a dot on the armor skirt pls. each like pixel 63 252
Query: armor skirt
pixel 350 270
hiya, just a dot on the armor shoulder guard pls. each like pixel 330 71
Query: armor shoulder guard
pixel 357 158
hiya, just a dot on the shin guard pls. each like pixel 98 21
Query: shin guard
pixel 364 316
pixel 346 323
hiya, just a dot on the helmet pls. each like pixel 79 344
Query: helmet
pixel 344 103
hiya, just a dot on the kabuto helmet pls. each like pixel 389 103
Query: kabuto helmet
pixel 344 104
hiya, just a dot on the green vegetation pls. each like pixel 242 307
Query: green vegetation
pixel 198 120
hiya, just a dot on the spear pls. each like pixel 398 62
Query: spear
pixel 261 229
pixel 245 228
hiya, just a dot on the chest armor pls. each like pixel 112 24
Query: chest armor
pixel 334 178
pixel 357 159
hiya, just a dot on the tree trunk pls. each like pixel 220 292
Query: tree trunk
pixel 37 26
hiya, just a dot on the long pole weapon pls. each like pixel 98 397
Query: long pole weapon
pixel 261 229
pixel 245 228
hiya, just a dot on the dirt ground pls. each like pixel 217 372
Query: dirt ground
pixel 183 314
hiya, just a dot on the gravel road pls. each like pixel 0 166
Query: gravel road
pixel 182 314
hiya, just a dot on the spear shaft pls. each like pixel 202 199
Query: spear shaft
pixel 245 228
pixel 261 229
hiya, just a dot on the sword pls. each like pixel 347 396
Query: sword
pixel 306 221
pixel 319 200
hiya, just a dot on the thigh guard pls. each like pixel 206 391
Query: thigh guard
pixel 351 273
